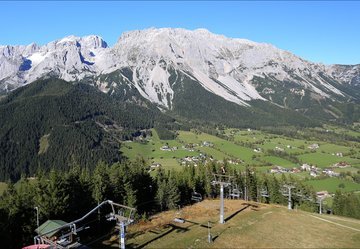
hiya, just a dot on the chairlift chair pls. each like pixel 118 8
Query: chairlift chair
pixel 284 192
pixel 299 194
pixel 196 197
pixel 264 192
pixel 307 198
pixel 235 192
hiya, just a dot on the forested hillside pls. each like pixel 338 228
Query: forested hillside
pixel 53 124
pixel 195 103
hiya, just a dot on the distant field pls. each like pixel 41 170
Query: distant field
pixel 235 150
pixel 150 150
pixel 216 154
pixel 332 184
pixel 280 161
pixel 333 148
pixel 339 130
pixel 349 169
pixel 221 148
pixel 169 163
pixel 324 160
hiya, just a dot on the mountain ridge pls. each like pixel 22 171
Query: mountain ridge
pixel 150 62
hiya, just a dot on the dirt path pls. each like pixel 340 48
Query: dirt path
pixel 358 230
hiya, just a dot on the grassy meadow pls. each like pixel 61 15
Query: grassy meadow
pixel 248 225
pixel 251 147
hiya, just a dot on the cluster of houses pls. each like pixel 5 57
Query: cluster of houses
pixel 279 170
pixel 234 161
pixel 331 173
pixel 279 149
pixel 311 147
pixel 338 154
pixel 154 166
pixel 188 147
pixel 194 159
pixel 313 170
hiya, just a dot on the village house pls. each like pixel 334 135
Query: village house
pixel 341 165
pixel 295 170
pixel 207 144
pixel 257 150
pixel 331 173
pixel 313 146
pixel 165 148
pixel 305 167
pixel 155 165
pixel 323 194
pixel 279 169
pixel 313 173
pixel 233 161
pixel 278 149
pixel 339 154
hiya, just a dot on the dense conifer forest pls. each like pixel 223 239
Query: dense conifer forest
pixel 52 122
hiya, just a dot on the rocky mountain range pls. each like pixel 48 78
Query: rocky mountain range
pixel 76 99
pixel 154 63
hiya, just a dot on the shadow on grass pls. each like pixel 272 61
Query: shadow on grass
pixel 237 212
pixel 172 229
pixel 197 223
pixel 217 236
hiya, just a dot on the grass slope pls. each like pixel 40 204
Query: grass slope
pixel 248 225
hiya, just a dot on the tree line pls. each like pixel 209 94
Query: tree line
pixel 69 194
pixel 346 204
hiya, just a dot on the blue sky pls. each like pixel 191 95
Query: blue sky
pixel 323 31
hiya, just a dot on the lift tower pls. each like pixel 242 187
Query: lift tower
pixel 223 181
pixel 289 187
pixel 123 215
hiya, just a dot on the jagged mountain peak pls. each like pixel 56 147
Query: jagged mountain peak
pixel 201 46
pixel 237 70
pixel 90 41
pixel 70 58
pixel 224 66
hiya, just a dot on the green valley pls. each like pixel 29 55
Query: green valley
pixel 261 150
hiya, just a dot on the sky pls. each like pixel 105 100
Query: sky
pixel 321 31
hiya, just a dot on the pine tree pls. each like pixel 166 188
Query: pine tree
pixel 130 196
pixel 173 196
pixel 17 207
pixel 101 182
pixel 51 195
pixel 338 203
pixel 77 184
pixel 274 191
